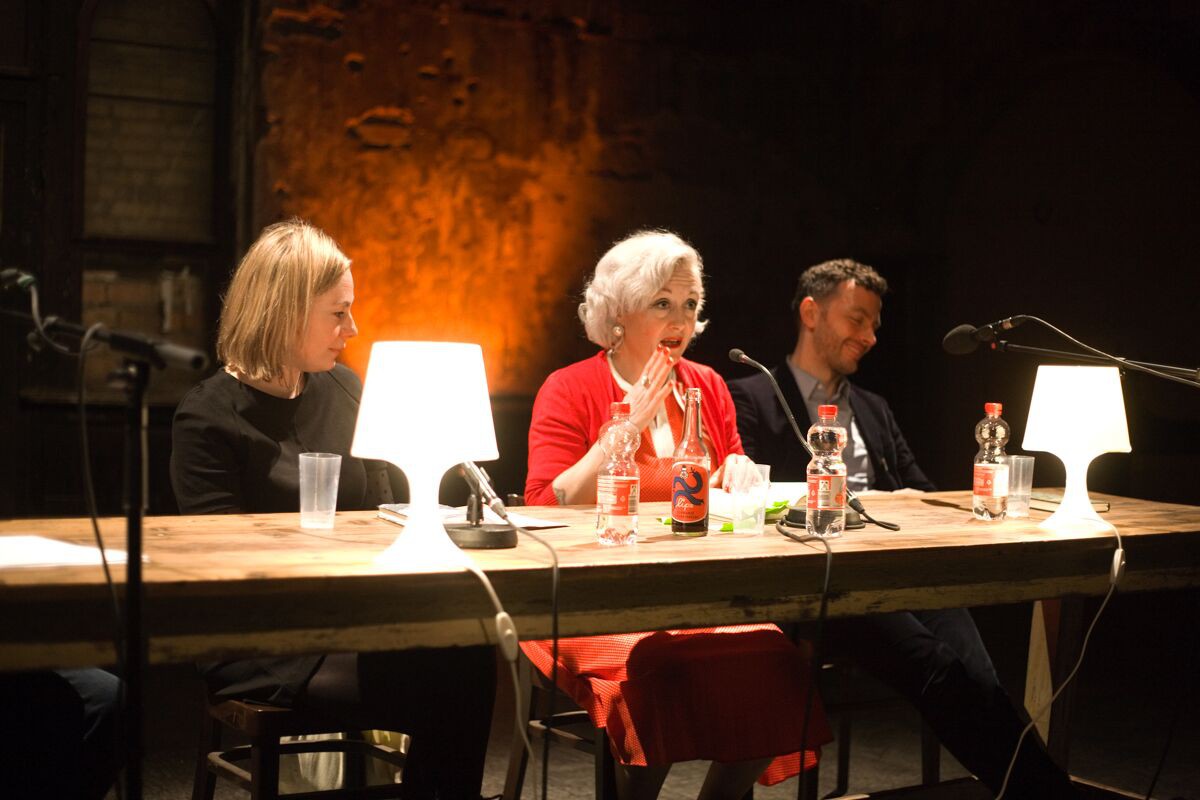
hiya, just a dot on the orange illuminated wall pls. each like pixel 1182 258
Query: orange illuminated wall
pixel 475 157
pixel 456 162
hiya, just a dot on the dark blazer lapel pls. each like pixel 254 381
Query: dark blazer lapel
pixel 791 393
pixel 869 424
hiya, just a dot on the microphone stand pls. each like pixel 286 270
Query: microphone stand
pixel 1004 346
pixel 134 377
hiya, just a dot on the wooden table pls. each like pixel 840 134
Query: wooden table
pixel 230 586
pixel 225 586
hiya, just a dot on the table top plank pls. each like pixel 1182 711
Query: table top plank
pixel 238 585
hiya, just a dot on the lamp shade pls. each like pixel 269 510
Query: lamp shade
pixel 425 408
pixel 427 404
pixel 1077 411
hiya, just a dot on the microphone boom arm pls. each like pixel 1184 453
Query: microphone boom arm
pixel 1004 346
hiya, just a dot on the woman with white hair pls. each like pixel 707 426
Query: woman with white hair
pixel 733 695
pixel 237 437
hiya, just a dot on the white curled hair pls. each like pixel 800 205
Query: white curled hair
pixel 629 275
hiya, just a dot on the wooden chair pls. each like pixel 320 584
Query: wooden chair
pixel 264 725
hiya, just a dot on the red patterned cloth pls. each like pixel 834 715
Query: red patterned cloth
pixel 727 694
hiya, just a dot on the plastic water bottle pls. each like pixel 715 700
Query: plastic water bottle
pixel 689 474
pixel 617 482
pixel 825 511
pixel 990 484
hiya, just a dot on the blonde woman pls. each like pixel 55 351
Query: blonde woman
pixel 237 437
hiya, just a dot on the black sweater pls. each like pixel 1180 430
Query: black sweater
pixel 236 449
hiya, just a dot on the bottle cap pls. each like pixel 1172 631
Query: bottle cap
pixel 826 411
pixel 618 408
pixel 993 409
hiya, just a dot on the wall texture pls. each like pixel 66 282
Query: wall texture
pixel 475 158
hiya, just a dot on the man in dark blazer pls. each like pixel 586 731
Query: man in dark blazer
pixel 837 309
pixel 936 659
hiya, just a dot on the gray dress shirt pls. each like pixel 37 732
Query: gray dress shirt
pixel 859 472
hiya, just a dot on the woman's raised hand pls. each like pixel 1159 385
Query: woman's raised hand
pixel 648 393
pixel 736 474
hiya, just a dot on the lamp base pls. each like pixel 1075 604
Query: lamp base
pixel 423 546
pixel 482 537
pixel 1060 522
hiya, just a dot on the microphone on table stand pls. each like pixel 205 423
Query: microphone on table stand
pixel 856 513
pixel 475 534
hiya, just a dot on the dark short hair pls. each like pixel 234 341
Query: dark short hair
pixel 822 280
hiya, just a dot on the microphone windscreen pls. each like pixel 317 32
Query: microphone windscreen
pixel 960 341
pixel 736 355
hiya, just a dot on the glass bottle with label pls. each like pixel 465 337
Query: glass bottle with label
pixel 689 474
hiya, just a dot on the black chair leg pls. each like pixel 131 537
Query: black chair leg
pixel 606 768
pixel 931 756
pixel 204 784
pixel 264 770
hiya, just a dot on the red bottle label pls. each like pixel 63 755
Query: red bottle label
pixel 991 480
pixel 826 493
pixel 617 496
pixel 689 491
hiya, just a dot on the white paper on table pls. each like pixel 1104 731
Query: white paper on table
pixel 38 551
pixel 721 503
pixel 786 492
pixel 397 512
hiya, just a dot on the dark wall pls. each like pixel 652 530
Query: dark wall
pixel 988 159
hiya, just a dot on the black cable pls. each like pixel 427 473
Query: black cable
pixel 1126 364
pixel 818 644
pixel 548 722
pixel 89 493
pixel 857 505
pixel 1191 690
pixel 89 490
pixel 39 326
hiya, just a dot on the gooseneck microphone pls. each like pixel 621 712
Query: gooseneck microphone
pixel 966 339
pixel 475 534
pixel 739 356
pixel 482 484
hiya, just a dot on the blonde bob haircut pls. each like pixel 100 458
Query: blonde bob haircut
pixel 629 275
pixel 265 311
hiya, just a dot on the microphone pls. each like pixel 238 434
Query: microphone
pixel 17 278
pixel 966 338
pixel 482 484
pixel 474 534
pixel 739 356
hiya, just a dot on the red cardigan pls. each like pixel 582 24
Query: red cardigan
pixel 574 402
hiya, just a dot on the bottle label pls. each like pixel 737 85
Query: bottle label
pixel 689 491
pixel 617 495
pixel 826 493
pixel 991 480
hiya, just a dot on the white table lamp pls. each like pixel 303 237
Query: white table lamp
pixel 1076 414
pixel 425 407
